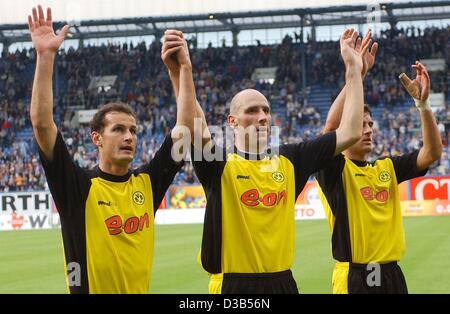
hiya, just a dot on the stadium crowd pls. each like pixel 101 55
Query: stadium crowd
pixel 142 81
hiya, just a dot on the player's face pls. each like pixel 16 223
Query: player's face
pixel 118 140
pixel 364 145
pixel 253 120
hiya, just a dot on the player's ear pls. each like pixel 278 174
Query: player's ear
pixel 232 121
pixel 96 138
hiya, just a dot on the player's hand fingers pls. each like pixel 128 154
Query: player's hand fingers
pixel 353 38
pixel 345 35
pixel 425 72
pixel 417 66
pixel 30 24
pixel 412 87
pixel 63 32
pixel 49 17
pixel 365 47
pixel 173 32
pixel 426 81
pixel 373 49
pixel 405 80
pixel 35 16
pixel 41 15
pixel 358 43
pixel 172 37
pixel 367 37
pixel 170 52
pixel 171 44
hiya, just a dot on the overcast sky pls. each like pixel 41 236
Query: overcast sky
pixel 16 11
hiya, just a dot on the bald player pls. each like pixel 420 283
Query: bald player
pixel 249 228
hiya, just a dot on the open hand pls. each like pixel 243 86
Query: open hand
pixel 350 54
pixel 42 34
pixel 369 55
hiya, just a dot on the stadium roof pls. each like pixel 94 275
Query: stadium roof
pixel 12 12
pixel 213 21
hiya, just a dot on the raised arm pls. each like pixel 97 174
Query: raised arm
pixel 335 113
pixel 173 44
pixel 46 43
pixel 350 128
pixel 419 89
pixel 186 110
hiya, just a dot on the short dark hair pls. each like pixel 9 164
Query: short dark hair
pixel 98 121
pixel 367 109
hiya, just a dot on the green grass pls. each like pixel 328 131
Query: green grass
pixel 32 261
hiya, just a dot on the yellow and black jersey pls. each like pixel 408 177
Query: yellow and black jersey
pixel 249 222
pixel 362 203
pixel 107 221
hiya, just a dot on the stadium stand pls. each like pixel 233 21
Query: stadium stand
pixel 142 81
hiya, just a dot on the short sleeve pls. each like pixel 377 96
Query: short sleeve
pixel 330 176
pixel 406 166
pixel 208 168
pixel 310 156
pixel 69 184
pixel 162 170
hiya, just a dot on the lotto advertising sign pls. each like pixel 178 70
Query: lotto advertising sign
pixel 308 205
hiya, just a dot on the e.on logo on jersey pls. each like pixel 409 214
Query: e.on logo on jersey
pixel 254 198
pixel 115 224
pixel 430 188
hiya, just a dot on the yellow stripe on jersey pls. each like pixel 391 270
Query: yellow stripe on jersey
pixel 119 235
pixel 258 226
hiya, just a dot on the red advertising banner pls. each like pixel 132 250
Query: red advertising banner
pixel 430 188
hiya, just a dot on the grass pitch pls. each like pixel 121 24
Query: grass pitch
pixel 32 261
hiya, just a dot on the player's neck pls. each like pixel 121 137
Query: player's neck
pixel 355 155
pixel 251 149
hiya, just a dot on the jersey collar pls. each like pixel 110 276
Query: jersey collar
pixel 253 156
pixel 111 177
pixel 360 163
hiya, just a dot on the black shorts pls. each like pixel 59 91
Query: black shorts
pixel 259 283
pixel 376 279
